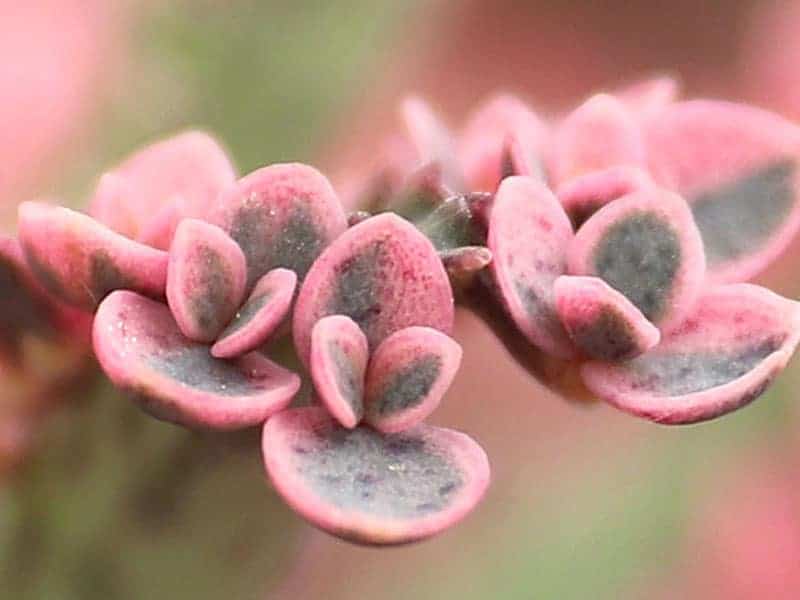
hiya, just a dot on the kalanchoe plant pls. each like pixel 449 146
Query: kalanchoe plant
pixel 191 274
pixel 618 236
pixel 606 249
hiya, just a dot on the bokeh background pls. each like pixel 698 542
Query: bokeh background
pixel 586 502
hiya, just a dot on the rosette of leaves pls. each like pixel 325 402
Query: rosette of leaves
pixel 619 239
pixel 191 275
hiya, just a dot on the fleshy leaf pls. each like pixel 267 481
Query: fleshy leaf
pixel 190 166
pixel 724 355
pixel 282 215
pixel 646 246
pixel 373 488
pixel 259 317
pixel 602 323
pixel 339 355
pixel 503 137
pixel 141 349
pixel 79 260
pixel 205 280
pixel 528 237
pixel 737 167
pixel 382 273
pixel 599 134
pixel 432 141
pixel 585 195
pixel 408 375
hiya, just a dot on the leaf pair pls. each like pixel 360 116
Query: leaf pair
pixel 397 387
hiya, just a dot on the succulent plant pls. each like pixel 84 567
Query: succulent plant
pixel 607 249
pixel 619 240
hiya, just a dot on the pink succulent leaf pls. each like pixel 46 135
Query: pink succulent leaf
pixel 599 134
pixel 585 195
pixel 724 355
pixel 646 246
pixel 737 167
pixel 408 374
pixel 648 98
pixel 260 316
pixel 339 356
pixel 431 140
pixel 141 349
pixel 382 273
pixel 79 260
pixel 282 215
pixel 502 137
pixel 205 280
pixel 373 488
pixel 190 165
pixel 528 236
pixel 601 322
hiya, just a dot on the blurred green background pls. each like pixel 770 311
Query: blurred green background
pixel 586 502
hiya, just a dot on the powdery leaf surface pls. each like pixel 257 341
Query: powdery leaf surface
pixel 141 349
pixel 724 355
pixel 79 260
pixel 373 488
pixel 737 167
pixel 602 323
pixel 646 246
pixel 205 280
pixel 382 273
pixel 260 316
pixel 339 356
pixel 528 236
pixel 282 215
pixel 408 375
pixel 585 195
